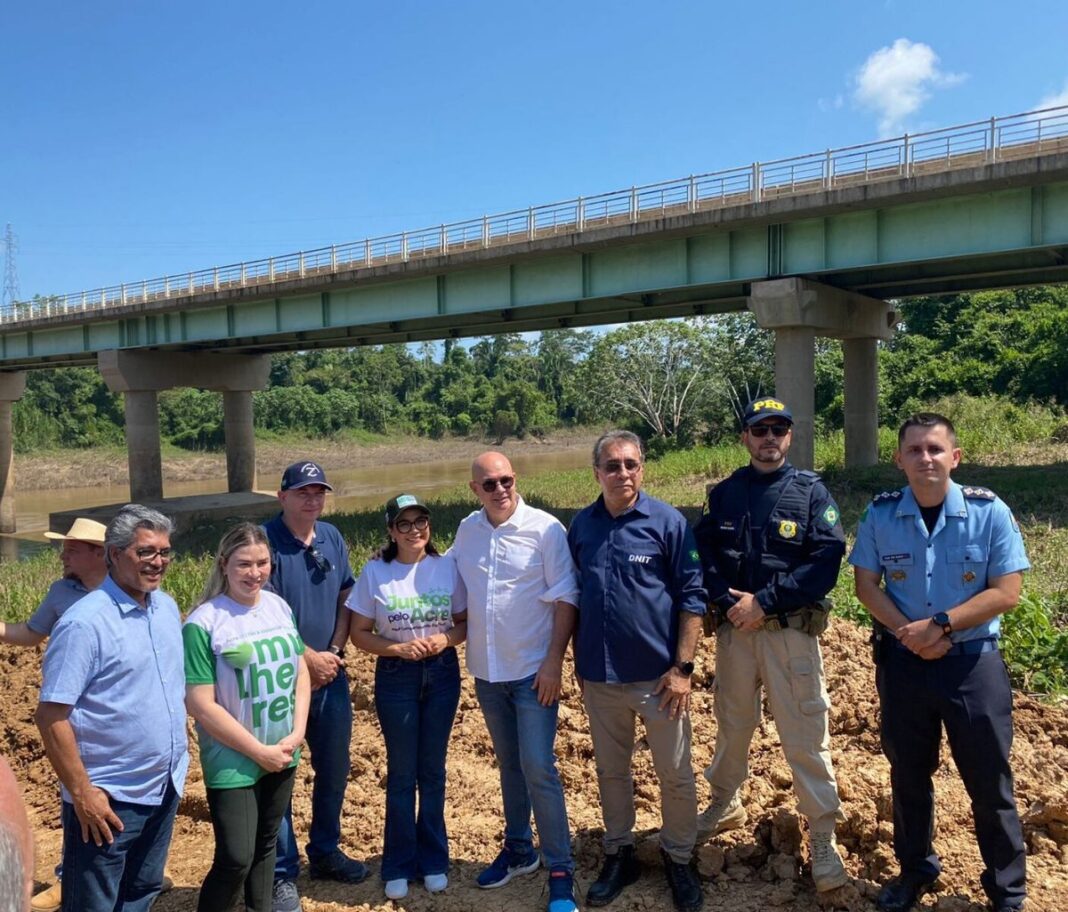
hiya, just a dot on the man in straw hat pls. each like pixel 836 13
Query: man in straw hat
pixel 82 555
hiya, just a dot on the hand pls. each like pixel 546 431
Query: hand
pixel 413 650
pixel 96 816
pixel 275 757
pixel 676 689
pixel 437 643
pixel 940 648
pixel 322 667
pixel 547 682
pixel 917 636
pixel 746 613
pixel 291 743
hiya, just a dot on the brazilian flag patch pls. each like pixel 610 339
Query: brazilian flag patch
pixel 695 557
pixel 831 515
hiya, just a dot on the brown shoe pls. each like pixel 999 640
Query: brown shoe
pixel 48 900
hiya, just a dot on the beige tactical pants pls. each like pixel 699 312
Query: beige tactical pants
pixel 612 709
pixel 789 665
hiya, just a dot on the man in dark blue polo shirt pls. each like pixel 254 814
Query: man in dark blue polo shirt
pixel 310 570
pixel 639 620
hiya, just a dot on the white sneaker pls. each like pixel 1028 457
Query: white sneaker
pixel 828 872
pixel 397 889
pixel 435 883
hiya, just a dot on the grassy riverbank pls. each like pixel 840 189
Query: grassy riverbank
pixel 1032 479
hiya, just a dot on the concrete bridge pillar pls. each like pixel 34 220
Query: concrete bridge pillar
pixel 140 375
pixel 240 440
pixel 12 386
pixel 799 310
pixel 142 445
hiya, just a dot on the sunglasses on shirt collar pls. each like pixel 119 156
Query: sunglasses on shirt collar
pixel 317 557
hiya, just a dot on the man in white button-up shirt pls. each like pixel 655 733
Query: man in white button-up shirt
pixel 521 596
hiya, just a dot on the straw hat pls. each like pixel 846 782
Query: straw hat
pixel 84 530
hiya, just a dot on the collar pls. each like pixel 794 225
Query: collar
pixel 640 506
pixel 513 521
pixel 316 537
pixel 122 599
pixel 953 505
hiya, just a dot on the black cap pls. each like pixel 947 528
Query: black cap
pixel 768 407
pixel 402 502
pixel 302 474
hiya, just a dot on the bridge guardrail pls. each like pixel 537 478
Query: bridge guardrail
pixel 966 145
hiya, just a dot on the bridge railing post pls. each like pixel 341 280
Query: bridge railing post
pixel 828 171
pixel 756 182
pixel 485 231
pixel 580 214
pixel 993 140
pixel 905 156
pixel 244 275
pixel 190 283
pixel 333 257
pixel 122 293
pixel 300 264
pixel 270 268
pixel 367 252
pixel 166 287
pixel 634 204
pixel 532 225
pixel 691 194
pixel 215 278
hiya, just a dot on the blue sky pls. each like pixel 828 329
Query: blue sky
pixel 143 139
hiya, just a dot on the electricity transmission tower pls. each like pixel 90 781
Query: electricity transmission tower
pixel 11 276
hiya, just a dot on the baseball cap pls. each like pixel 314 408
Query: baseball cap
pixel 302 474
pixel 83 530
pixel 768 407
pixel 402 502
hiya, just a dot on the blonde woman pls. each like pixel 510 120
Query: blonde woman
pixel 248 689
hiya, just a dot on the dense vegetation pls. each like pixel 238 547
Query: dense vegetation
pixel 676 382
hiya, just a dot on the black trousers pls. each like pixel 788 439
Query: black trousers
pixel 246 823
pixel 971 696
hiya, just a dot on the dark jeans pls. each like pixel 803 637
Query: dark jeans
pixel 328 734
pixel 971 696
pixel 125 876
pixel 245 821
pixel 416 703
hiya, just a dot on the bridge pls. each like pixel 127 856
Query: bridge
pixel 817 244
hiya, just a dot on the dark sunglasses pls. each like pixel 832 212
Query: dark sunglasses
pixel 505 481
pixel 761 430
pixel 617 465
pixel 404 526
pixel 322 564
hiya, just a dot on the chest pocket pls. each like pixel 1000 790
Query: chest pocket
pixel 898 568
pixel 966 567
pixel 635 565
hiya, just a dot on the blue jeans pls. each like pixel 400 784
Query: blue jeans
pixel 328 734
pixel 416 703
pixel 125 876
pixel 523 732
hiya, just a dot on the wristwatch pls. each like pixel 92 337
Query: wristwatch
pixel 942 620
pixel 685 667
pixel 336 650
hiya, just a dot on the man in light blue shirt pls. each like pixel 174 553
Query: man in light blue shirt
pixel 937 565
pixel 112 719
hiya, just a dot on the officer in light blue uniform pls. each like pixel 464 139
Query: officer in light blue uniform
pixel 937 564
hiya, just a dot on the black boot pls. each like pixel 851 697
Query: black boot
pixel 685 886
pixel 619 871
pixel 902 893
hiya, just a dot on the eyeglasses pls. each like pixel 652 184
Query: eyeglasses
pixel 147 555
pixel 777 430
pixel 321 563
pixel 489 485
pixel 613 466
pixel 404 526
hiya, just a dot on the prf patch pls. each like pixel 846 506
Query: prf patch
pixel 830 515
pixel 769 404
pixel 788 528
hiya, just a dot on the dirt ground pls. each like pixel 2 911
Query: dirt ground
pixel 70 468
pixel 756 868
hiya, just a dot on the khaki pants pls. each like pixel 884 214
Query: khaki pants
pixel 612 709
pixel 789 665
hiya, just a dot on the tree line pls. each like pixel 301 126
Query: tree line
pixel 675 382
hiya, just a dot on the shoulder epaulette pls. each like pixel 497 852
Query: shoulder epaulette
pixel 886 497
pixel 978 493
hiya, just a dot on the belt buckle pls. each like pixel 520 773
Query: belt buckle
pixel 772 622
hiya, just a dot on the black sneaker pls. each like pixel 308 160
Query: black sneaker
pixel 338 866
pixel 685 886
pixel 619 871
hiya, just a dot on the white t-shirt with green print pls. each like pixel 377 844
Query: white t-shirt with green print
pixel 251 655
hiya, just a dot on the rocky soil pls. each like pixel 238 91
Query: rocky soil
pixel 759 867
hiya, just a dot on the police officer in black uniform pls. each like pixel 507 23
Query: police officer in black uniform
pixel 771 545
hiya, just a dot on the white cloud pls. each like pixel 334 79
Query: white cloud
pixel 1056 100
pixel 895 81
